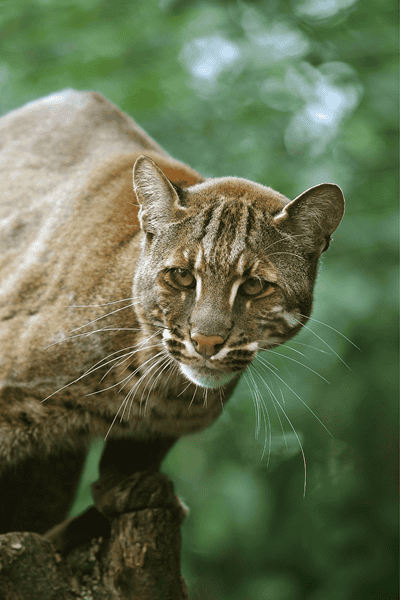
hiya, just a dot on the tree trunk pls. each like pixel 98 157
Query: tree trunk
pixel 127 547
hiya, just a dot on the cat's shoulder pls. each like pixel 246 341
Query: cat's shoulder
pixel 62 153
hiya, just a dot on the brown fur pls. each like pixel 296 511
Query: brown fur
pixel 70 237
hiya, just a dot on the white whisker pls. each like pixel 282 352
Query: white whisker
pixel 105 304
pixel 272 395
pixel 157 366
pixel 299 363
pixel 307 346
pixel 88 333
pixel 184 389
pixel 265 414
pixel 327 345
pixel 165 364
pixel 194 393
pixel 300 444
pixel 282 240
pixel 126 379
pixel 175 368
pixel 297 396
pixel 100 364
pixel 220 397
pixel 102 317
pixel 205 396
pixel 291 254
pixel 335 330
pixel 114 419
pixel 130 395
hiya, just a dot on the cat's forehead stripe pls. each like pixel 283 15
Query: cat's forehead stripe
pixel 199 257
pixel 212 229
pixel 226 230
pixel 234 290
pixel 241 264
pixel 239 243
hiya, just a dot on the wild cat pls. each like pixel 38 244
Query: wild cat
pixel 186 280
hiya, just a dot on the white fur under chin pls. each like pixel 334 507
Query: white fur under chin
pixel 206 380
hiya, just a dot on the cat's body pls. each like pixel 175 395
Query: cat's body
pixel 221 270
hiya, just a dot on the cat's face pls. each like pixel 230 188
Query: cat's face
pixel 227 267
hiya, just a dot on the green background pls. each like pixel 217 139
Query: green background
pixel 289 93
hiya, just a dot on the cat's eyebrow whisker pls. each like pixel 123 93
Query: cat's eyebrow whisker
pixel 282 240
pixel 335 330
pixel 299 363
pixel 297 396
pixel 102 317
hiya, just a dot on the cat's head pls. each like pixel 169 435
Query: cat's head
pixel 227 267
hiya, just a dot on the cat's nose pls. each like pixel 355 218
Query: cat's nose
pixel 207 345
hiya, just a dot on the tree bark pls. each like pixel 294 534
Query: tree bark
pixel 127 547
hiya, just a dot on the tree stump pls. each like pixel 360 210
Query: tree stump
pixel 126 547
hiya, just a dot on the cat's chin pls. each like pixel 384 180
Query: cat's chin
pixel 206 378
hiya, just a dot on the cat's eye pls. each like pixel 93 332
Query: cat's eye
pixel 253 287
pixel 183 278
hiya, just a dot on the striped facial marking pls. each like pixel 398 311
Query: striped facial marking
pixel 234 291
pixel 224 229
pixel 236 264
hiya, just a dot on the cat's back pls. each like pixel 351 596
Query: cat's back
pixel 57 156
pixel 49 149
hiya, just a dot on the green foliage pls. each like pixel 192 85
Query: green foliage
pixel 288 93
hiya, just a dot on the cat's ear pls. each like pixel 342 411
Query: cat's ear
pixel 158 198
pixel 313 216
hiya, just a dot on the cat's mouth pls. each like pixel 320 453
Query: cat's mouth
pixel 209 371
pixel 206 377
